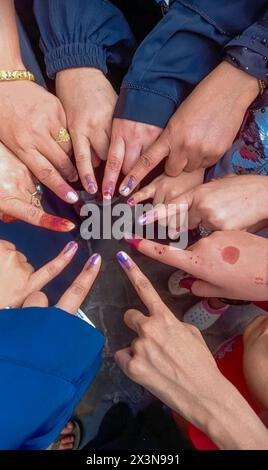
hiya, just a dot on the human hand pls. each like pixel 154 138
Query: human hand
pixel 89 110
pixel 228 264
pixel 171 360
pixel 203 128
pixel 16 187
pixel 74 296
pixel 18 278
pixel 33 118
pixel 165 188
pixel 230 203
pixel 129 140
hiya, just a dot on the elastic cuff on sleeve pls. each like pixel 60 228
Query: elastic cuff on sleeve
pixel 73 56
pixel 147 106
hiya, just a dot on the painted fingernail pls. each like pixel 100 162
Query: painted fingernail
pixel 131 202
pixel 124 260
pixel 187 282
pixel 57 224
pixel 93 261
pixel 70 248
pixel 109 191
pixel 72 197
pixel 125 190
pixel 91 186
pixel 133 239
pixel 147 218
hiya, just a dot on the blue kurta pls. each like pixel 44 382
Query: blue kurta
pixel 48 358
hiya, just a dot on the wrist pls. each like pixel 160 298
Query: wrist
pixel 78 72
pixel 245 87
pixel 11 63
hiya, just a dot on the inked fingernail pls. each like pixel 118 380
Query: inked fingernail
pixel 133 239
pixel 187 282
pixel 70 248
pixel 124 260
pixel 148 218
pixel 91 186
pixel 109 191
pixel 72 196
pixel 125 190
pixel 93 261
pixel 57 224
pixel 131 202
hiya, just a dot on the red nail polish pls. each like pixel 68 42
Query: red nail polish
pixel 187 282
pixel 133 240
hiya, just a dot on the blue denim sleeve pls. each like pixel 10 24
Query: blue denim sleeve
pixel 180 51
pixel 83 34
pixel 249 51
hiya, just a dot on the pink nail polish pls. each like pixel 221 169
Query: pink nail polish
pixel 70 248
pixel 131 202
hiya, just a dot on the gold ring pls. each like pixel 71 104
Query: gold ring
pixel 63 137
pixel 36 197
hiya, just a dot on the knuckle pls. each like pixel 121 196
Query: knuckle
pixel 81 158
pixel 52 270
pixel 78 289
pixel 46 173
pixel 114 163
pixel 135 368
pixel 137 347
pixel 146 161
pixel 141 285
pixel 145 329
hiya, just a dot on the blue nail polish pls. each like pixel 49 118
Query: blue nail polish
pixel 124 260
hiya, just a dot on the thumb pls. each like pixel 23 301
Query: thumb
pixel 36 299
pixel 205 289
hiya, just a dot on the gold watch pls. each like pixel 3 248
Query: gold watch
pixel 15 75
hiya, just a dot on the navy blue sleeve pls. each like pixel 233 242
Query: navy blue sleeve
pixel 183 48
pixel 249 51
pixel 83 33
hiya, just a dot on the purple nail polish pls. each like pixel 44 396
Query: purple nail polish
pixel 93 260
pixel 131 202
pixel 70 248
pixel 125 190
pixel 124 260
pixel 147 218
pixel 109 191
pixel 91 186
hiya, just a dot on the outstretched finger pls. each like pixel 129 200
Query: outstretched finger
pixel 143 286
pixel 145 164
pixel 20 210
pixel 49 271
pixel 74 296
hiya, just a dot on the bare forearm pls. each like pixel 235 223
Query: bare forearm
pixel 10 54
pixel 231 423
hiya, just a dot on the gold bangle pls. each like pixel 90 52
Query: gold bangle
pixel 14 75
pixel 262 86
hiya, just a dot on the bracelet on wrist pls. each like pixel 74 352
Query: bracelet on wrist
pixel 16 75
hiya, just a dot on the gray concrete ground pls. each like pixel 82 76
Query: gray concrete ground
pixel 110 297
